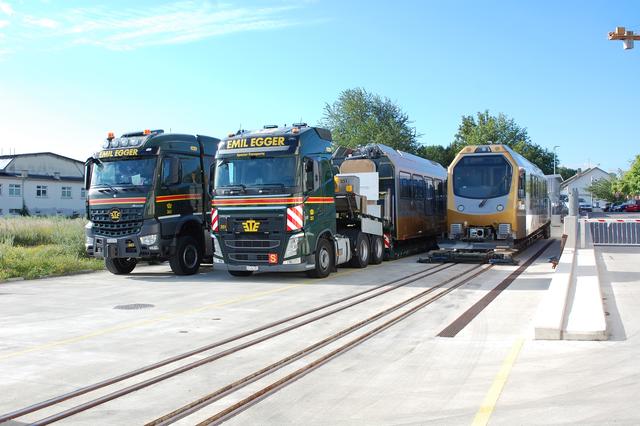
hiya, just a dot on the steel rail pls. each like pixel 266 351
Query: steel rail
pixel 179 370
pixel 108 382
pixel 220 393
pixel 266 391
pixel 252 399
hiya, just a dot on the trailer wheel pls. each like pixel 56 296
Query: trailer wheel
pixel 188 256
pixel 377 250
pixel 324 260
pixel 120 266
pixel 547 232
pixel 240 273
pixel 361 253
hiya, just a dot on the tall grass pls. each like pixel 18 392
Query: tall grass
pixel 33 247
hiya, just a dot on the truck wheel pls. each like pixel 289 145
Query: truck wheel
pixel 377 250
pixel 361 251
pixel 547 232
pixel 240 273
pixel 120 266
pixel 324 260
pixel 186 260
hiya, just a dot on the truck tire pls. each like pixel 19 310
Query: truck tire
pixel 324 260
pixel 187 258
pixel 240 273
pixel 361 252
pixel 547 232
pixel 377 250
pixel 120 266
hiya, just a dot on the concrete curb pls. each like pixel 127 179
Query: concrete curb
pixel 68 274
pixel 573 308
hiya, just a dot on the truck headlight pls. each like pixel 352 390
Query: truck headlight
pixel 216 245
pixel 148 240
pixel 292 246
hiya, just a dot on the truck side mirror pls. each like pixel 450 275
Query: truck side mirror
pixel 170 171
pixel 88 170
pixel 212 178
pixel 308 175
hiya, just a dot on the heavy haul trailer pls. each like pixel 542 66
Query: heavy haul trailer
pixel 497 203
pixel 147 199
pixel 278 206
pixel 412 195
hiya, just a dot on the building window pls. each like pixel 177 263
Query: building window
pixel 83 193
pixel 66 192
pixel 41 191
pixel 14 211
pixel 15 190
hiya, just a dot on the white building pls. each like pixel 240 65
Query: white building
pixel 43 182
pixel 582 180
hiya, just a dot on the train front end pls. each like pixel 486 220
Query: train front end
pixel 484 198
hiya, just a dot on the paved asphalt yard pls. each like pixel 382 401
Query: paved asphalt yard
pixel 60 334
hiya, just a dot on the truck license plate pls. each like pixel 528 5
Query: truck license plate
pixel 111 240
pixel 252 268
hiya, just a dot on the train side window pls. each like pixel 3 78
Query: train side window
pixel 418 187
pixel 405 185
pixel 521 184
pixel 439 196
pixel 430 204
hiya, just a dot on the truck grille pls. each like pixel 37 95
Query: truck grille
pixel 252 244
pixel 130 222
pixel 249 257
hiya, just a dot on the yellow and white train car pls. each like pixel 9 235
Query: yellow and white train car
pixel 494 193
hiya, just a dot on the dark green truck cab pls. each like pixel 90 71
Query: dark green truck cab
pixel 147 199
pixel 274 205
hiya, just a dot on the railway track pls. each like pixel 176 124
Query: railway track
pixel 369 294
pixel 337 305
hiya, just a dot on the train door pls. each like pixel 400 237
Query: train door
pixel 430 204
pixel 404 206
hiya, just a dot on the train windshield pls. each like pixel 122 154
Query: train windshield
pixel 482 176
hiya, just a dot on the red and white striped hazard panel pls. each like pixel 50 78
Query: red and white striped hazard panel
pixel 387 240
pixel 214 219
pixel 295 218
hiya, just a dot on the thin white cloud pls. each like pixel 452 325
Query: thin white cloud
pixel 3 24
pixel 6 8
pixel 174 23
pixel 41 22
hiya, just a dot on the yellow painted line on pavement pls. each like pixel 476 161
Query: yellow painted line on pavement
pixel 161 318
pixel 490 400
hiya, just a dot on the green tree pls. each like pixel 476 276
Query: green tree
pixel 485 128
pixel 359 118
pixel 437 153
pixel 630 182
pixel 565 172
pixel 605 189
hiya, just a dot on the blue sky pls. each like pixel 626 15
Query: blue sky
pixel 71 71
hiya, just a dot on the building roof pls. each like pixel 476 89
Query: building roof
pixel 580 174
pixel 11 157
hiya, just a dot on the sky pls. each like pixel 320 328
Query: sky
pixel 72 71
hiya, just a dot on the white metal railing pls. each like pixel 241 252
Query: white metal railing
pixel 615 232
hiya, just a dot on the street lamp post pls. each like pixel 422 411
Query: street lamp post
pixel 555 158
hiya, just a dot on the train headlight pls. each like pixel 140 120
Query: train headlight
pixel 460 208
pixel 499 207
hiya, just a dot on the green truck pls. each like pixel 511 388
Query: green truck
pixel 148 199
pixel 279 205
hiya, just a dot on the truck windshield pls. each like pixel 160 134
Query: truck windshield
pixel 137 171
pixel 256 172
pixel 482 176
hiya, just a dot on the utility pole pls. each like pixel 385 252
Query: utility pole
pixel 555 158
pixel 625 35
